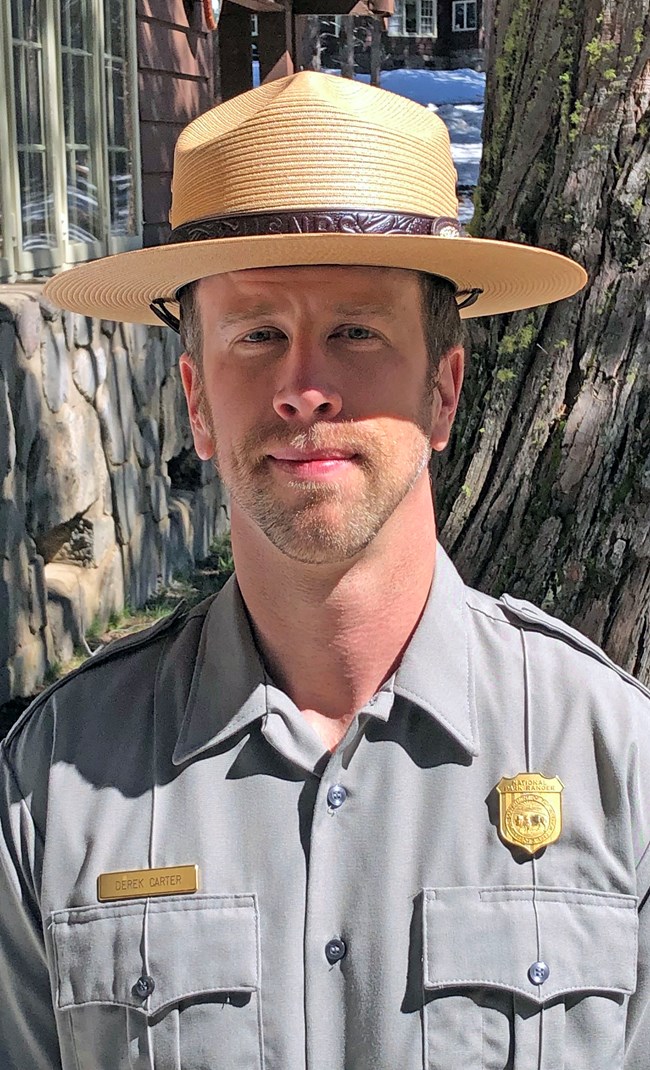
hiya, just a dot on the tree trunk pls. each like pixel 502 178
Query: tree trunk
pixel 347 46
pixel 545 490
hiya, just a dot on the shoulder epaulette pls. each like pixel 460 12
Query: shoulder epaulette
pixel 544 622
pixel 126 644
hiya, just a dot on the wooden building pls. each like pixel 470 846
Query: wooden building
pixel 93 98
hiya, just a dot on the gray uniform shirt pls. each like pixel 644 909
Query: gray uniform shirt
pixel 382 925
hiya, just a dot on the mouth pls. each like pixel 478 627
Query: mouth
pixel 312 464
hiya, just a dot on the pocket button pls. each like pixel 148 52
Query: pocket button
pixel 144 986
pixel 335 950
pixel 538 973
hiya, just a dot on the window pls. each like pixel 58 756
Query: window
pixel 414 18
pixel 464 15
pixel 69 186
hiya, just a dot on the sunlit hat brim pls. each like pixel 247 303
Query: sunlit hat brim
pixel 511 276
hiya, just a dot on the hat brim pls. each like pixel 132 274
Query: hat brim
pixel 511 276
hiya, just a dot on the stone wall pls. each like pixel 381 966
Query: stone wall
pixel 102 499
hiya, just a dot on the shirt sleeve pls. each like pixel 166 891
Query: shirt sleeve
pixel 28 1033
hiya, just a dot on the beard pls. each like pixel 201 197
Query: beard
pixel 318 521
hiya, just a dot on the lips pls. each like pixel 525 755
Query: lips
pixel 296 456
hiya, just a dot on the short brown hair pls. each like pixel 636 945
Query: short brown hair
pixel 443 328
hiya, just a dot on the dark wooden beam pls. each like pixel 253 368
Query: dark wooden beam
pixel 235 50
pixel 330 7
pixel 275 45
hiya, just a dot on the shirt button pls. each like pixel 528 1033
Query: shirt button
pixel 144 986
pixel 335 950
pixel 538 973
pixel 336 796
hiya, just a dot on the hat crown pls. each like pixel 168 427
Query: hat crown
pixel 313 141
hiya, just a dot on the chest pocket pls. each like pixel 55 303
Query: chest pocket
pixel 482 949
pixel 175 985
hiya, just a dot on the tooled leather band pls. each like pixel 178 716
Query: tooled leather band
pixel 321 221
pixel 308 221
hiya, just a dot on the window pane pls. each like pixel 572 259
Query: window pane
pixel 28 93
pixel 80 106
pixel 459 21
pixel 411 17
pixel 120 121
pixel 123 219
pixel 427 20
pixel 31 20
pixel 471 16
pixel 36 201
pixel 83 206
pixel 120 106
pixel 114 22
pixel 73 13
pixel 80 99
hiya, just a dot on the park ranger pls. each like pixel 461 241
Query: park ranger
pixel 349 814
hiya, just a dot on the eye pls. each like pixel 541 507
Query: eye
pixel 354 333
pixel 262 335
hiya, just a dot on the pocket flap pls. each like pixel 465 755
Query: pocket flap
pixel 202 944
pixel 488 936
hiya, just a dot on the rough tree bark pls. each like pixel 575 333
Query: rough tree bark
pixel 546 488
pixel 347 46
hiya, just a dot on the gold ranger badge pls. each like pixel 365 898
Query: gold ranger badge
pixel 530 810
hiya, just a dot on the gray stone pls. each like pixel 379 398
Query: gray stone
pixel 127 500
pixel 29 416
pixel 101 369
pixel 159 497
pixel 83 330
pixel 55 369
pixel 49 310
pixel 68 467
pixel 83 373
pixel 146 441
pixel 12 527
pixel 7 431
pixel 29 324
pixel 111 425
pixel 37 595
pixel 28 666
pixel 174 421
pixel 171 348
pixel 147 371
pixel 88 469
pixel 121 389
pixel 9 354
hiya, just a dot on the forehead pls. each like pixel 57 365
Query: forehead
pixel 322 282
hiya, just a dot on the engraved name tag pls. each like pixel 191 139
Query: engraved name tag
pixel 138 883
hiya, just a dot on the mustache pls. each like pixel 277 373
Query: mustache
pixel 345 435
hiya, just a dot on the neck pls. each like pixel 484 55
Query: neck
pixel 331 635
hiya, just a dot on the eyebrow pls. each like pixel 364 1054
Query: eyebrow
pixel 252 312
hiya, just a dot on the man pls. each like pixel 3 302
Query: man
pixel 349 814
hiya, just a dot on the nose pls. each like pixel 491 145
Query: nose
pixel 305 391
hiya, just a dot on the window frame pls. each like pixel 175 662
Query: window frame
pixel 400 13
pixel 17 262
pixel 463 5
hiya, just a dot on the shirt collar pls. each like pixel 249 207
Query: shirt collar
pixel 435 672
pixel 230 689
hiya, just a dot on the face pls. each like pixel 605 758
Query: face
pixel 316 400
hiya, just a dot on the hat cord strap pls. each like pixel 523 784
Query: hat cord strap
pixel 471 298
pixel 159 309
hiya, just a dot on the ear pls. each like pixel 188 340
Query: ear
pixel 446 396
pixel 194 394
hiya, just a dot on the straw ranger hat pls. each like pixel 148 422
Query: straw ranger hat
pixel 315 169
